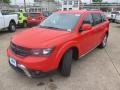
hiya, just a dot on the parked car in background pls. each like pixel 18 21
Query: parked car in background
pixel 117 18
pixel 61 38
pixel 8 20
pixel 113 15
pixel 34 18
pixel 46 13
pixel 22 18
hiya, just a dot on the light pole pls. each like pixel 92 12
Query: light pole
pixel 25 5
pixel 90 4
pixel 2 4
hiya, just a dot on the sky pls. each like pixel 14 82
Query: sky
pixel 31 1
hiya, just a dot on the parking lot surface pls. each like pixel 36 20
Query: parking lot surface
pixel 98 70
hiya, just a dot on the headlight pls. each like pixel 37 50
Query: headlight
pixel 42 52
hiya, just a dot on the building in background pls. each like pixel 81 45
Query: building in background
pixel 43 5
pixel 70 4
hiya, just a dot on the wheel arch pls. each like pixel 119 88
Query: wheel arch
pixel 12 20
pixel 64 49
pixel 24 21
pixel 75 53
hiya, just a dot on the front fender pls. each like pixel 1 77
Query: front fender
pixel 62 49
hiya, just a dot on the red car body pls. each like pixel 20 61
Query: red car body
pixel 61 41
pixel 34 18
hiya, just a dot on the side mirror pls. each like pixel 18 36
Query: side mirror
pixel 86 27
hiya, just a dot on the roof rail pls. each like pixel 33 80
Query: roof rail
pixel 93 9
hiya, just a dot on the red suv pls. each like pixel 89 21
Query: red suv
pixel 34 18
pixel 62 37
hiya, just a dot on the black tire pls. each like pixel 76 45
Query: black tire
pixel 25 24
pixel 104 42
pixel 65 67
pixel 12 27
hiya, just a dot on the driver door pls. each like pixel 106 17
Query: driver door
pixel 86 38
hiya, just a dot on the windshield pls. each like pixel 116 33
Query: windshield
pixel 61 21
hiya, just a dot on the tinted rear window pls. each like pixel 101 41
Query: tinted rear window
pixel 34 14
pixel 103 17
pixel 88 20
pixel 97 18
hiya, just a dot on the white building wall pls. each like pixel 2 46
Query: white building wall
pixel 41 5
pixel 68 6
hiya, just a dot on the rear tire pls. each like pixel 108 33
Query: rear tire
pixel 104 42
pixel 12 27
pixel 66 62
pixel 25 24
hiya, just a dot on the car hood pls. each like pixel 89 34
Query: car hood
pixel 37 37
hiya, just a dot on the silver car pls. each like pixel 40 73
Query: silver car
pixel 117 18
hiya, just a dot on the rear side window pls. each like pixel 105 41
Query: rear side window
pixel 103 17
pixel 33 15
pixel 97 18
pixel 88 20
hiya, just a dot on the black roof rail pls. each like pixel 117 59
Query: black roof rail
pixel 93 9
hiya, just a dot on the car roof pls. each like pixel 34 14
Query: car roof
pixel 81 11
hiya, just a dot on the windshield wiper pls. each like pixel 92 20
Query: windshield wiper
pixel 50 27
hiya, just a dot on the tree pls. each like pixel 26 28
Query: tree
pixel 98 1
pixel 5 1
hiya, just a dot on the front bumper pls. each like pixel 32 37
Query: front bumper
pixel 32 66
pixel 29 73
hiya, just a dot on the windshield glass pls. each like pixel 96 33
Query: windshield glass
pixel 61 21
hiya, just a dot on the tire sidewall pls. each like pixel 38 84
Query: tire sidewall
pixel 12 27
pixel 66 64
pixel 104 42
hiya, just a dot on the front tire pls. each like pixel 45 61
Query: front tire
pixel 104 42
pixel 65 67
pixel 12 27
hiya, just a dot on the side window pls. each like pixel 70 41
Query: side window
pixel 97 18
pixel 5 12
pixel 103 17
pixel 88 20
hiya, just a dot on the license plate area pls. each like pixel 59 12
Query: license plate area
pixel 13 62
